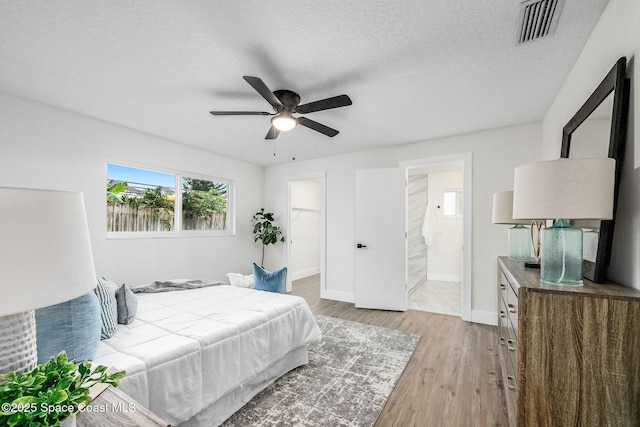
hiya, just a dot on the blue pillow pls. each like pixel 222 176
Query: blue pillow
pixel 127 304
pixel 272 282
pixel 73 326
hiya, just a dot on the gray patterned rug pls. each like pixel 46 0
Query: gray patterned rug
pixel 349 378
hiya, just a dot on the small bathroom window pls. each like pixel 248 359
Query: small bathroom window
pixel 452 203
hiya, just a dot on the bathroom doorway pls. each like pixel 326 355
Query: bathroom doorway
pixel 435 236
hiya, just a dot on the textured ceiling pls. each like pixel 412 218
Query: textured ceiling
pixel 415 70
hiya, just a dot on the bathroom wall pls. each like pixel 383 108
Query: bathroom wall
pixel 416 247
pixel 445 254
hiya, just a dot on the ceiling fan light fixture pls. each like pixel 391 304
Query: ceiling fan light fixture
pixel 285 103
pixel 284 122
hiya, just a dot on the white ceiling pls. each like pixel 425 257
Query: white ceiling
pixel 415 70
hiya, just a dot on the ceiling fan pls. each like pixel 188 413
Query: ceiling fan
pixel 285 103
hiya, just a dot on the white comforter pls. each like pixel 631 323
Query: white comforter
pixel 186 349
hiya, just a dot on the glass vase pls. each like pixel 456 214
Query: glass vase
pixel 519 239
pixel 561 254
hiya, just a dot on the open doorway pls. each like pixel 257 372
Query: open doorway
pixel 434 238
pixel 306 231
pixel 438 267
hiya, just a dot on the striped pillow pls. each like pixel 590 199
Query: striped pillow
pixel 106 292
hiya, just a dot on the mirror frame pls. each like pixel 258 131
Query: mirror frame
pixel 616 82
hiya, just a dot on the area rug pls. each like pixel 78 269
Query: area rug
pixel 348 379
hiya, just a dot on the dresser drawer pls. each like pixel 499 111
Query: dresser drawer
pixel 512 309
pixel 504 288
pixel 508 338
pixel 512 345
pixel 503 319
pixel 510 381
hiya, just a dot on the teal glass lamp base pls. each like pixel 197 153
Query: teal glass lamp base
pixel 561 254
pixel 519 238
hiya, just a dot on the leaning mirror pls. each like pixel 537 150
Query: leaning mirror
pixel 599 129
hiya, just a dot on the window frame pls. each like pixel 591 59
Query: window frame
pixel 178 232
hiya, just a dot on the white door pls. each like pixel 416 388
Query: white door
pixel 380 239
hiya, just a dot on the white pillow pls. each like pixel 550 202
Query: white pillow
pixel 240 280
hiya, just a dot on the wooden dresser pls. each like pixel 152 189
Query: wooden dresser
pixel 113 408
pixel 570 356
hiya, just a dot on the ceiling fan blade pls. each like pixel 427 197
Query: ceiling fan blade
pixel 263 90
pixel 240 113
pixel 318 127
pixel 273 133
pixel 324 104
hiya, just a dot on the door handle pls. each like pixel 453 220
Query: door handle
pixel 360 246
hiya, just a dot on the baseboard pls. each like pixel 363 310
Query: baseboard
pixel 445 277
pixel 305 273
pixel 339 296
pixel 485 317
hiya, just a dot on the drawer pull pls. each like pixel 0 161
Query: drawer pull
pixel 511 345
pixel 512 308
pixel 503 314
pixel 503 286
pixel 511 382
pixel 502 340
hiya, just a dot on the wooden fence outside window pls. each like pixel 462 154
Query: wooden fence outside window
pixel 125 217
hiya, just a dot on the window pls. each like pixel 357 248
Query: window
pixel 452 201
pixel 204 204
pixel 146 203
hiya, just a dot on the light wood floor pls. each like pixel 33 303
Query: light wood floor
pixel 453 378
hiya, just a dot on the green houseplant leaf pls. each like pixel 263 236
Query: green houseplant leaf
pixel 31 399
pixel 265 231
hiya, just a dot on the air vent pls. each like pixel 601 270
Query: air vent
pixel 537 19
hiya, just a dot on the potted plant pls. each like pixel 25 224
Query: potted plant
pixel 51 393
pixel 265 230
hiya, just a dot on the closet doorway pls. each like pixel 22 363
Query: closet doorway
pixel 306 231
pixel 435 236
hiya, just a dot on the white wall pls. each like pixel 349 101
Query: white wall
pixel 304 259
pixel 444 256
pixel 495 155
pixel 616 34
pixel 44 147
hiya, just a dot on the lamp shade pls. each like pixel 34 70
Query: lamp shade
pixel 503 209
pixel 45 254
pixel 574 188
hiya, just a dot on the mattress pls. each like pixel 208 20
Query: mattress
pixel 188 349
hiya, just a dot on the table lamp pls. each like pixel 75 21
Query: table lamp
pixel 564 189
pixel 518 234
pixel 45 259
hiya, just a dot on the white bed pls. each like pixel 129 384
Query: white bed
pixel 194 357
